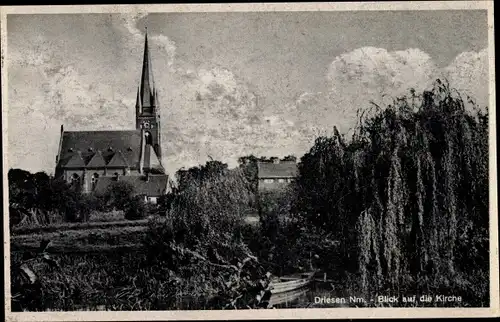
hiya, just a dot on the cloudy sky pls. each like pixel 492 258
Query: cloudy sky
pixel 230 84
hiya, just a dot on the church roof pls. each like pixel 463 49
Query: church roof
pixel 75 160
pixel 118 161
pixel 86 144
pixel 97 161
pixel 283 169
pixel 151 160
pixel 155 186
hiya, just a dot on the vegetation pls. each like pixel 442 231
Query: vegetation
pixel 410 196
pixel 399 208
pixel 40 200
pixel 202 237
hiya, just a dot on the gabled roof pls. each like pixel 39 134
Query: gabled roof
pixel 75 160
pixel 284 169
pixel 117 161
pixel 107 142
pixel 155 186
pixel 97 161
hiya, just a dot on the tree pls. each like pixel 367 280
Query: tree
pixel 406 192
pixel 250 170
pixel 136 209
pixel 290 158
pixel 119 195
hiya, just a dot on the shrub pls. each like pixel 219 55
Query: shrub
pixel 119 194
pixel 136 209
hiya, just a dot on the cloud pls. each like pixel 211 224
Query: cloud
pixel 44 93
pixel 468 73
pixel 164 43
pixel 218 116
pixel 376 75
pixel 210 111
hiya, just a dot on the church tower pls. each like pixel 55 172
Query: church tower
pixel 147 108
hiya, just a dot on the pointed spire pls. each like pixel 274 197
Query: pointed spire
pixel 147 81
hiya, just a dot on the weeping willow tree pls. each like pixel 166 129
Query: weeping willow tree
pixel 416 172
pixel 427 166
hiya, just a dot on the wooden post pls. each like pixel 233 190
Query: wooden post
pixel 324 277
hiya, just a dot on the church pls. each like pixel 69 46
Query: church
pixel 92 160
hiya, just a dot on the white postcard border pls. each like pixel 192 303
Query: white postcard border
pixel 316 313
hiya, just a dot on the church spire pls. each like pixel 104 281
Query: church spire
pixel 147 83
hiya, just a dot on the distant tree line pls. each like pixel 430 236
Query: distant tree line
pixel 40 199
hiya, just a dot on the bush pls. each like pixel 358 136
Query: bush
pixel 136 209
pixel 201 239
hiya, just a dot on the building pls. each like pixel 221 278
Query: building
pixel 92 160
pixel 276 174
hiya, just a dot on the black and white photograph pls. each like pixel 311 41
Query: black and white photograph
pixel 249 158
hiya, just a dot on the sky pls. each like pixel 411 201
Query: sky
pixel 230 84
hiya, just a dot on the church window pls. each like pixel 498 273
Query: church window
pixel 75 179
pixel 148 137
pixel 94 179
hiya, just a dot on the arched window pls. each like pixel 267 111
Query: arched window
pixel 148 137
pixel 94 179
pixel 75 179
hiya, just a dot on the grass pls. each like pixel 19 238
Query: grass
pixel 85 237
pixel 76 226
pixel 121 280
pixel 99 216
pixel 83 240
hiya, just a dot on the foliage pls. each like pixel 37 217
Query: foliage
pixel 25 283
pixel 40 199
pixel 202 237
pixel 136 209
pixel 401 207
pixel 119 194
pixel 408 194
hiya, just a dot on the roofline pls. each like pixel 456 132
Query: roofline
pixel 104 167
pixel 58 156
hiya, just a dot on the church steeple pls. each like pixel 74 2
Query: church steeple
pixel 147 105
pixel 147 99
